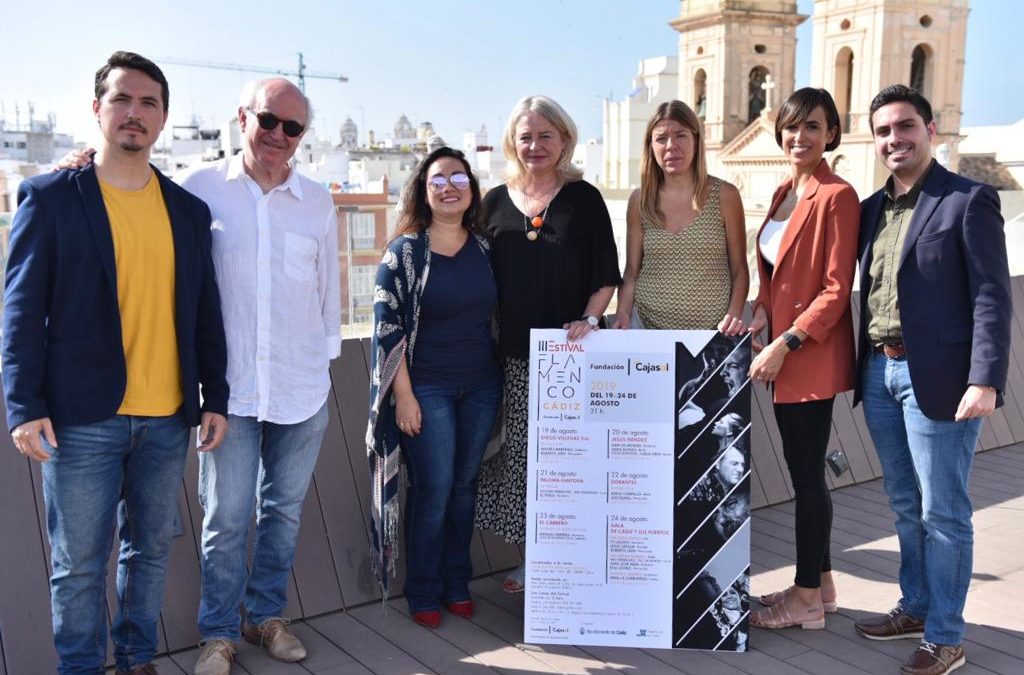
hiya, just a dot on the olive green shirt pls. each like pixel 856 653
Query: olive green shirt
pixel 883 301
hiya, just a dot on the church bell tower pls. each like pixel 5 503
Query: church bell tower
pixel 862 46
pixel 735 56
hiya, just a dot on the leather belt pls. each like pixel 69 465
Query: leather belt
pixel 893 350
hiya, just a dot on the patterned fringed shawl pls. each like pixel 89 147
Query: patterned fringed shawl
pixel 398 289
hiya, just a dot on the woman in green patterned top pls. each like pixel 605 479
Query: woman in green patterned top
pixel 686 263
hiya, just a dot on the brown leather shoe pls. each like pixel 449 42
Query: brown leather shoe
pixel 279 640
pixel 895 625
pixel 934 659
pixel 148 669
pixel 215 657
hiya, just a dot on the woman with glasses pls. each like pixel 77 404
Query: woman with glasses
pixel 806 253
pixel 436 384
pixel 556 267
pixel 686 242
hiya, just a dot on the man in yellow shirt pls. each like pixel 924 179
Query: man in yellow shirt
pixel 112 323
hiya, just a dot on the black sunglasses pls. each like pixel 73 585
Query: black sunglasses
pixel 268 121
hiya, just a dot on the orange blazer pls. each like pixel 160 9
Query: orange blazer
pixel 810 287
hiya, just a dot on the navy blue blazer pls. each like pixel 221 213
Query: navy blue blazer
pixel 62 352
pixel 953 286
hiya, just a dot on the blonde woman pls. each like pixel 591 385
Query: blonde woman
pixel 556 266
pixel 686 265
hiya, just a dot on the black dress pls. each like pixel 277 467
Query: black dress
pixel 544 283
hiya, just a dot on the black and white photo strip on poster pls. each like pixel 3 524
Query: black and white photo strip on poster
pixel 711 525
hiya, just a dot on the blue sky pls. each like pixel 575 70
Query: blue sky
pixel 457 63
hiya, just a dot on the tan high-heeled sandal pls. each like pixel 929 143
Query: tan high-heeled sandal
pixel 777 616
pixel 830 606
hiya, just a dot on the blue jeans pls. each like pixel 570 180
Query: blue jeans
pixel 926 465
pixel 442 464
pixel 126 467
pixel 266 467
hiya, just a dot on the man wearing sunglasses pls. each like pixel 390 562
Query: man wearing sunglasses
pixel 275 251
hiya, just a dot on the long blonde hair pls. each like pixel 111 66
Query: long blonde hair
pixel 651 175
pixel 560 120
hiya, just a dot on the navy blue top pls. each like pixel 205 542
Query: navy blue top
pixel 454 345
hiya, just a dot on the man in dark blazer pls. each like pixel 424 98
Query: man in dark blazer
pixel 933 355
pixel 111 324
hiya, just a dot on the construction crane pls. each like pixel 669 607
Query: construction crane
pixel 301 73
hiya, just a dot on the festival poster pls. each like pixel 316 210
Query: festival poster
pixel 638 507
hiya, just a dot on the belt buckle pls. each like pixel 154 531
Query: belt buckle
pixel 894 351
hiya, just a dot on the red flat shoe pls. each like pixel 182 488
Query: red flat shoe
pixel 463 608
pixel 430 618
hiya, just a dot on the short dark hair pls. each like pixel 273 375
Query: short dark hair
pixel 900 93
pixel 416 214
pixel 799 106
pixel 133 61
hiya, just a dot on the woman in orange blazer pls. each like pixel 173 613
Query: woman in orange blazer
pixel 806 254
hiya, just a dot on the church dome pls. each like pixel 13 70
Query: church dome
pixel 404 129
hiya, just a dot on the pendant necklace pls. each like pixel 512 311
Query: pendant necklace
pixel 536 223
pixel 532 225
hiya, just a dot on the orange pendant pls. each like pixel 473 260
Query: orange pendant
pixel 537 222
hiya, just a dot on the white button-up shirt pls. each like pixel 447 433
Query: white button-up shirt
pixel 276 258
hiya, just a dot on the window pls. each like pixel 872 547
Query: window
pixel 362 230
pixel 700 89
pixel 757 93
pixel 360 290
pixel 919 75
pixel 361 281
pixel 844 85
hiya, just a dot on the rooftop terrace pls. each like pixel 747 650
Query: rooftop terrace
pixel 363 640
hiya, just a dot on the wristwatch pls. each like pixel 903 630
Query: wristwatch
pixel 590 319
pixel 792 342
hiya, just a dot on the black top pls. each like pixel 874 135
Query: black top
pixel 546 283
pixel 453 341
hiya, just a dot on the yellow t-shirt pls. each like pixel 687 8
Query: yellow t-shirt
pixel 144 260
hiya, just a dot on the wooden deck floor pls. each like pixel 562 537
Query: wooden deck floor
pixel 864 552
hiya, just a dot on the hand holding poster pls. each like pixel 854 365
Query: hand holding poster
pixel 638 490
